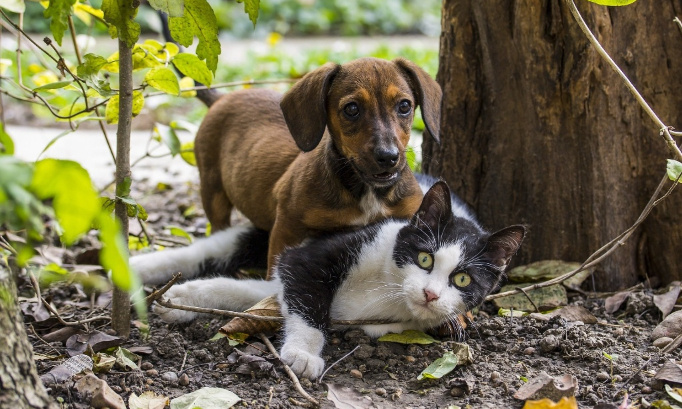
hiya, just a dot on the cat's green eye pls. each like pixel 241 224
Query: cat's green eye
pixel 425 260
pixel 461 279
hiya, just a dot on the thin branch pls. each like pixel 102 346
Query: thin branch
pixel 288 370
pixel 224 313
pixel 336 362
pixel 664 129
pixel 161 291
pixel 228 85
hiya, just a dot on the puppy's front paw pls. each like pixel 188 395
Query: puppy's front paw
pixel 302 362
pixel 181 295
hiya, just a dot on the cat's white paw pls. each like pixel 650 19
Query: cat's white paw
pixel 302 362
pixel 182 295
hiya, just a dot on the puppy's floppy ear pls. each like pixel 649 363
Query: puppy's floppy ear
pixel 429 95
pixel 305 106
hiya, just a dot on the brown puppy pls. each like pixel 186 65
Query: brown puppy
pixel 345 165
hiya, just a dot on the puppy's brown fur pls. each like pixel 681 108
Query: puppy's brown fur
pixel 328 155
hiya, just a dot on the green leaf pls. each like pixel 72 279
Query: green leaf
pixel 674 170
pixel 88 70
pixel 53 85
pixel 191 66
pixel 440 367
pixel 163 79
pixel 187 153
pixel 121 14
pixel 170 7
pixel 75 201
pixel 613 2
pixel 179 232
pixel 6 142
pixel 69 112
pixel 169 137
pixel 206 398
pixel 200 21
pixel 111 113
pixel 251 8
pixel 15 6
pixel 409 337
pixel 58 12
pixel 144 56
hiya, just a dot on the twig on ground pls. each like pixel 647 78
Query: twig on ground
pixel 161 291
pixel 339 360
pixel 641 368
pixel 672 345
pixel 288 370
pixel 223 313
pixel 184 359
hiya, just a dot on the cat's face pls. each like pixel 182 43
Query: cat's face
pixel 448 264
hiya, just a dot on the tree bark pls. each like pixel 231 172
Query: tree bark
pixel 537 129
pixel 20 386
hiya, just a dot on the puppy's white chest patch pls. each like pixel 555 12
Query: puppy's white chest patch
pixel 372 208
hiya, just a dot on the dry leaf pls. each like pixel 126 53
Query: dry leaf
pixel 614 302
pixel 669 372
pixel 666 302
pixel 97 340
pixel 148 400
pixel 545 386
pixel 546 270
pixel 267 307
pixel 564 403
pixel 545 298
pixel 347 398
pixel 67 369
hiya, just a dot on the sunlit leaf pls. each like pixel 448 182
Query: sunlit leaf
pixel 440 367
pixel 53 85
pixel 191 66
pixel 200 21
pixel 121 15
pixel 187 83
pixel 179 232
pixel 170 7
pixel 145 56
pixel 504 312
pixel 409 337
pixel 251 8
pixel 85 11
pixel 674 393
pixel 163 79
pixel 674 170
pixel 564 403
pixel 111 113
pixel 58 12
pixel 73 112
pixel 74 199
pixel 187 153
pixel 613 2
pixel 6 142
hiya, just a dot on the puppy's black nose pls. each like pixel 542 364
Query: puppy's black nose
pixel 386 157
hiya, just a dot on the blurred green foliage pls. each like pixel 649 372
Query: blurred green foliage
pixel 294 17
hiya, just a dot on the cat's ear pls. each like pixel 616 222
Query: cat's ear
pixel 436 207
pixel 503 244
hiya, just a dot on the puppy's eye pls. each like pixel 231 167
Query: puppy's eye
pixel 404 107
pixel 461 279
pixel 351 110
pixel 425 260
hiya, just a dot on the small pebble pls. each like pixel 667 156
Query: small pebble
pixel 355 373
pixel 603 376
pixel 494 376
pixel 146 365
pixel 662 342
pixel 184 380
pixel 151 372
pixel 617 378
pixel 335 341
pixel 170 377
pixel 149 381
pixel 529 351
pixel 410 359
pixel 618 331
pixel 647 389
pixel 222 366
pixel 550 343
pixel 380 391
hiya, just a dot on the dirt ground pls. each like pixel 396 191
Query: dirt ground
pixel 507 352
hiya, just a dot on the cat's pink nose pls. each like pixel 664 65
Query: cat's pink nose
pixel 430 296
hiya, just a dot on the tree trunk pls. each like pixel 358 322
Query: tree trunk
pixel 537 129
pixel 20 386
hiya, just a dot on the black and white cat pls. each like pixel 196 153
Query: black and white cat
pixel 418 273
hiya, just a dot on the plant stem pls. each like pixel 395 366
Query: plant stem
pixel 120 314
